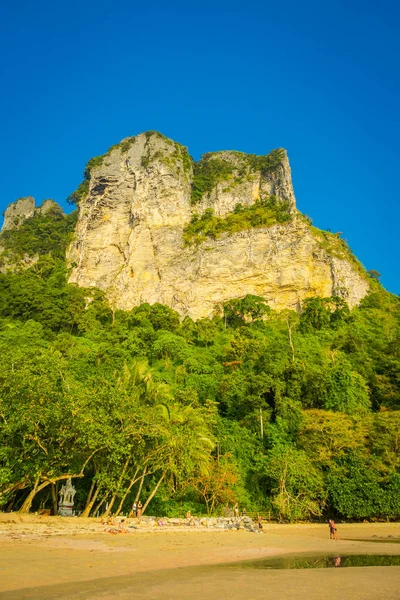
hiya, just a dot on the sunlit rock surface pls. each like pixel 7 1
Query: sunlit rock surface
pixel 128 241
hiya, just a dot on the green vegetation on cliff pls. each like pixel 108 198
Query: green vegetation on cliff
pixel 334 245
pixel 293 414
pixel 40 235
pixel 207 173
pixel 216 167
pixel 263 213
pixel 174 156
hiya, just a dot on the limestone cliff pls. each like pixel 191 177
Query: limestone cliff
pixel 138 200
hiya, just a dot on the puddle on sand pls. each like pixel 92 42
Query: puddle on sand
pixel 381 540
pixel 323 561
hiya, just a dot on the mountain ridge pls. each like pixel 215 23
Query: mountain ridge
pixel 155 226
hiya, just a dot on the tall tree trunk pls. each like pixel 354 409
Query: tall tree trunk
pixel 289 326
pixel 140 485
pixel 100 504
pixel 139 490
pixel 88 499
pixel 89 505
pixel 54 498
pixel 25 508
pixel 108 509
pixel 121 504
pixel 114 496
pixel 153 492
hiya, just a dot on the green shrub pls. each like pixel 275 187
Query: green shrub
pixel 266 164
pixel 207 173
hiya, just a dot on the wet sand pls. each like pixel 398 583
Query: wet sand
pixel 52 557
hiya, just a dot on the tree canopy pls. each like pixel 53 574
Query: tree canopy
pixel 297 415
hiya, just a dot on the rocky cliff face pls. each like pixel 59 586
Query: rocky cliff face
pixel 25 208
pixel 17 212
pixel 142 194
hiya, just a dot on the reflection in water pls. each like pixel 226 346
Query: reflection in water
pixel 322 561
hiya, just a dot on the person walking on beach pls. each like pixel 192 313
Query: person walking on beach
pixel 332 530
pixel 236 511
pixel 139 509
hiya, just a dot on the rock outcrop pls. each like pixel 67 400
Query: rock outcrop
pixel 25 208
pixel 137 201
pixel 17 212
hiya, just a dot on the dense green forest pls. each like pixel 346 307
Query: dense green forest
pixel 296 415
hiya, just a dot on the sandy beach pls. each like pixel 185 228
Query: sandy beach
pixel 54 557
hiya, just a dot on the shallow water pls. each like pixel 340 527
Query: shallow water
pixel 321 561
pixel 380 540
pixel 256 580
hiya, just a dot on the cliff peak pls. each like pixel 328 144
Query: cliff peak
pixel 24 208
pixel 156 226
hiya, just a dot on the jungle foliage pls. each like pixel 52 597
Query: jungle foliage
pixel 296 415
pixel 40 235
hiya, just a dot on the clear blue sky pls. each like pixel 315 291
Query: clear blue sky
pixel 318 78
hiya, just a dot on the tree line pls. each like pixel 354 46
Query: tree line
pixel 297 415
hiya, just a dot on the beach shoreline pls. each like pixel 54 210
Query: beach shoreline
pixel 40 553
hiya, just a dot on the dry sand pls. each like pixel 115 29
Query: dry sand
pixel 53 557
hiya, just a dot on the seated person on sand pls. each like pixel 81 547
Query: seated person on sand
pixel 120 529
pixel 111 529
pixel 189 518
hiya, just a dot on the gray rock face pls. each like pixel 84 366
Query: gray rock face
pixel 129 242
pixel 49 206
pixel 25 208
pixel 17 212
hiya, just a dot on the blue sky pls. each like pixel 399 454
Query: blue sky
pixel 318 78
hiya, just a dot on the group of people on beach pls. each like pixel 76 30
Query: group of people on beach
pixel 137 510
pixel 111 525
